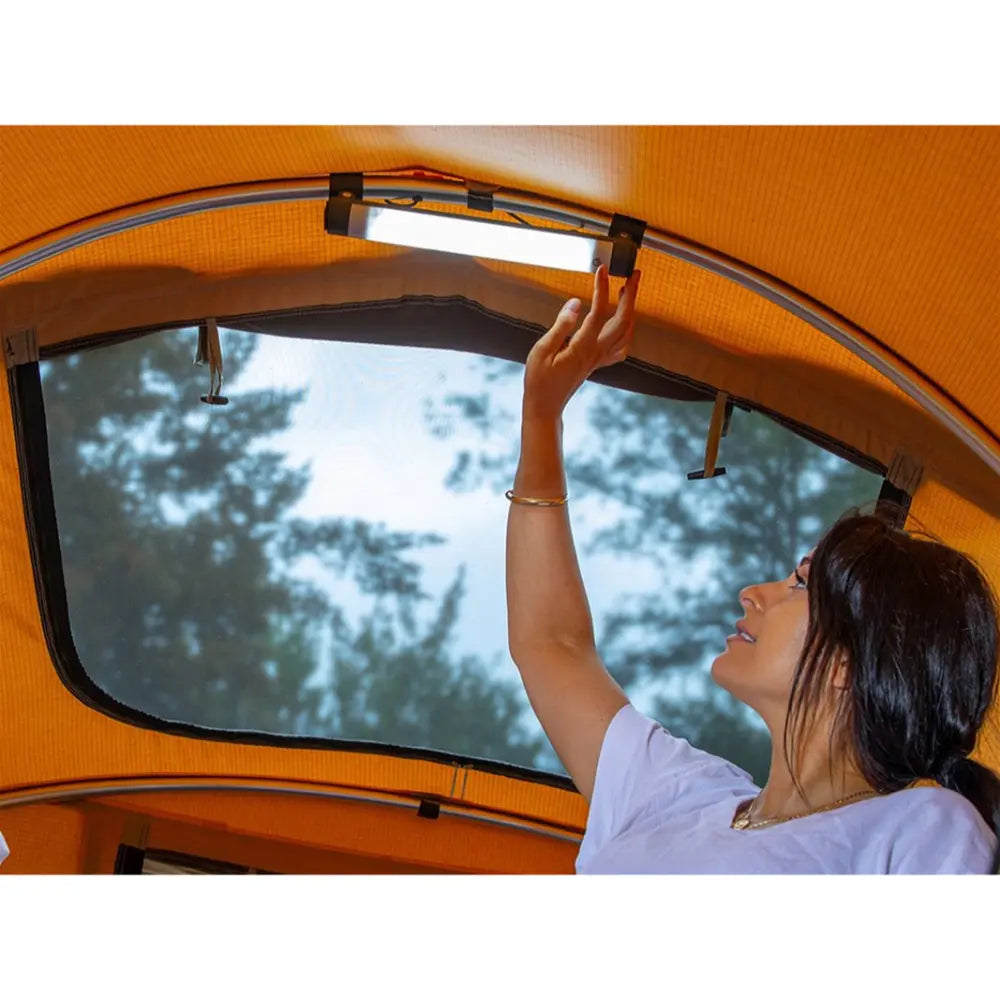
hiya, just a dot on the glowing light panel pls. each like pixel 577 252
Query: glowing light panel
pixel 478 238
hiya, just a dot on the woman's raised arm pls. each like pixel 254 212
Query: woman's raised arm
pixel 549 626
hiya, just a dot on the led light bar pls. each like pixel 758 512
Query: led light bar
pixel 518 244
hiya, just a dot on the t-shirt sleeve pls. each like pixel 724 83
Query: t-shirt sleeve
pixel 643 766
pixel 945 836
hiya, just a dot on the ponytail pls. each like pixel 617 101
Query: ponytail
pixel 981 787
pixel 919 627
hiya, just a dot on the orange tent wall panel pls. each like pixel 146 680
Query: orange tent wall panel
pixel 43 840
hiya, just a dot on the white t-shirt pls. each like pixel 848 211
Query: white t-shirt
pixel 3 849
pixel 661 806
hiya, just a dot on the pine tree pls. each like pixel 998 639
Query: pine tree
pixel 182 562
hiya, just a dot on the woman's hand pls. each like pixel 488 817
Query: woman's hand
pixel 561 360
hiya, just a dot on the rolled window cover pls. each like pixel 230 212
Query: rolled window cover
pixel 807 380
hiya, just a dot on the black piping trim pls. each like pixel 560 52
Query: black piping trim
pixel 31 437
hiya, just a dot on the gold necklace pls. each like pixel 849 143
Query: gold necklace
pixel 741 818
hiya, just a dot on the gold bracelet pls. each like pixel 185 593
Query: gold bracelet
pixel 535 502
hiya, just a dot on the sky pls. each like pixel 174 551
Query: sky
pixel 361 428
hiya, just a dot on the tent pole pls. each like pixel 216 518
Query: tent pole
pixel 137 787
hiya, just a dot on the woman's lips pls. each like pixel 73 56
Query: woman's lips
pixel 741 635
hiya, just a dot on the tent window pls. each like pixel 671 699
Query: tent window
pixel 323 557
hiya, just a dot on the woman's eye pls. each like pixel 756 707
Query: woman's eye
pixel 800 580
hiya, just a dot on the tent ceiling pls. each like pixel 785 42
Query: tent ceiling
pixel 895 229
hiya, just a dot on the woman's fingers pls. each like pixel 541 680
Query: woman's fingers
pixel 606 334
pixel 626 297
pixel 599 300
pixel 550 342
pixel 621 323
pixel 562 359
pixel 615 339
pixel 598 306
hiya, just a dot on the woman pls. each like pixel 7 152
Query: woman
pixel 873 665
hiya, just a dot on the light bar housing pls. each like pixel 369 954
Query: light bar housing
pixel 428 230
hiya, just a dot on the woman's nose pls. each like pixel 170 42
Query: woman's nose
pixel 750 598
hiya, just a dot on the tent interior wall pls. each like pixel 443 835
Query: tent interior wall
pixel 892 233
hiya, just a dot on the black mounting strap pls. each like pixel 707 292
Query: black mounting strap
pixel 626 234
pixel 479 197
pixel 722 415
pixel 429 809
pixel 345 189
pixel 901 481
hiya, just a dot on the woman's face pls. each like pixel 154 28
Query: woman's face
pixel 761 655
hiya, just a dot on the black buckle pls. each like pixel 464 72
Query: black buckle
pixel 479 197
pixel 345 189
pixel 626 234
pixel 428 809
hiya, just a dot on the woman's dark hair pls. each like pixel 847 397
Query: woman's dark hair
pixel 917 624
